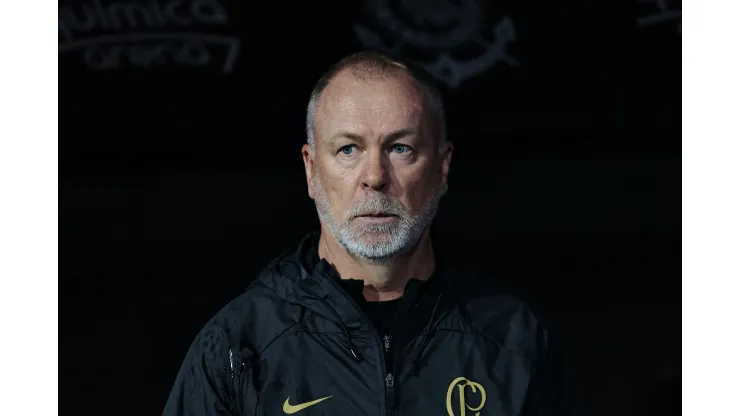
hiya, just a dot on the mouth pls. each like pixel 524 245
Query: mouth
pixel 376 215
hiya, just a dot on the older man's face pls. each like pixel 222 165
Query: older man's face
pixel 377 172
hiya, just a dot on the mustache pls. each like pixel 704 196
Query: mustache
pixel 376 204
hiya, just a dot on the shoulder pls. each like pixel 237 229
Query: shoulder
pixel 490 309
pixel 258 315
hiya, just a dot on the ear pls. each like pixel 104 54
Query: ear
pixel 445 155
pixel 308 165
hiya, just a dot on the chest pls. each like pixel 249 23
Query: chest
pixel 458 374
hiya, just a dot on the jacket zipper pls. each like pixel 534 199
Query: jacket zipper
pixel 390 385
pixel 393 358
pixel 389 381
pixel 379 342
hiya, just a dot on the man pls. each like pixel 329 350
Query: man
pixel 364 318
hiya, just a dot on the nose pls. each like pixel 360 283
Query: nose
pixel 375 173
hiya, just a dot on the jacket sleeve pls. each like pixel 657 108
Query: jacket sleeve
pixel 552 390
pixel 209 382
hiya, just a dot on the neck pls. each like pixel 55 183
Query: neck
pixel 382 281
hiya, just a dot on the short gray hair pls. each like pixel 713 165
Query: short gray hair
pixel 368 64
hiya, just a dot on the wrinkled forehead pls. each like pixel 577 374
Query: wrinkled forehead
pixel 370 105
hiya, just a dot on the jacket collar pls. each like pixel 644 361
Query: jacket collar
pixel 345 296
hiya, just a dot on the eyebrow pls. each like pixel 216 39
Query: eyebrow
pixel 390 137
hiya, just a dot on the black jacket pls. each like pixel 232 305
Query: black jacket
pixel 298 341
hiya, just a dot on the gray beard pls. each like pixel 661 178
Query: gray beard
pixel 376 243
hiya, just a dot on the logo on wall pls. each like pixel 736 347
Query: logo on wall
pixel 461 405
pixel 439 36
pixel 148 34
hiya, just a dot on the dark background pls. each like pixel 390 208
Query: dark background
pixel 179 181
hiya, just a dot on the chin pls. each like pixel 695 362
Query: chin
pixel 382 242
pixel 377 247
pixel 377 236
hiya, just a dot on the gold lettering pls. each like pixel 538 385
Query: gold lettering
pixel 461 383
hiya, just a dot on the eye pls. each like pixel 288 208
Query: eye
pixel 400 148
pixel 346 150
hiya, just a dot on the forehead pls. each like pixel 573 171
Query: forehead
pixel 372 104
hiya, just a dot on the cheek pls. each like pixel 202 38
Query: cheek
pixel 417 190
pixel 338 187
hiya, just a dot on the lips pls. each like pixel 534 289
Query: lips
pixel 377 215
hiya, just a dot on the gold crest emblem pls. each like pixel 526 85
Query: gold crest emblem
pixel 462 406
